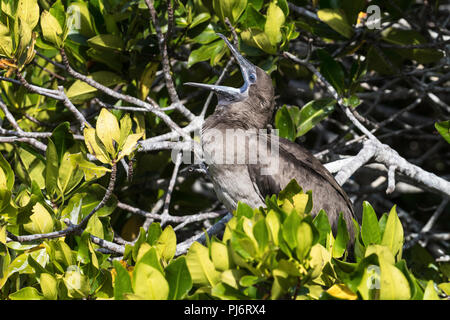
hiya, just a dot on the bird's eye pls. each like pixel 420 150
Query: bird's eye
pixel 252 77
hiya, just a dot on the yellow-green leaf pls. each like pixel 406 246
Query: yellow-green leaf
pixel 337 20
pixel 80 90
pixel 125 129
pixel 25 37
pixel 167 244
pixel 275 19
pixel 220 256
pixel 200 266
pixel 108 130
pixel 147 78
pixel 51 29
pixel 259 39
pixel 91 171
pixel 273 225
pixel 149 283
pixel 106 41
pixel 341 291
pixel 430 292
pixel 68 174
pixel 49 286
pixel 130 144
pixel 393 283
pixel 41 220
pixel 393 234
pixel 28 11
pixel 305 239
pixel 77 284
pixel 95 146
pixel 231 9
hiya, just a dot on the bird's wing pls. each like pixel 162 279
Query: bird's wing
pixel 293 160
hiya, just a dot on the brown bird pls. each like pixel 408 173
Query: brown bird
pixel 232 135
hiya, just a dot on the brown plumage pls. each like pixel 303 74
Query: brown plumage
pixel 245 111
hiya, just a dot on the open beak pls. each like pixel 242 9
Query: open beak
pixel 230 94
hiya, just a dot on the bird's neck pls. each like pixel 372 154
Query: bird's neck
pixel 237 116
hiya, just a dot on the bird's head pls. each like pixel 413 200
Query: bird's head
pixel 257 91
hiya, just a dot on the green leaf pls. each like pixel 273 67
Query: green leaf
pixel 149 255
pixel 393 234
pixel 207 36
pixel 200 266
pixel 49 286
pixel 69 176
pixel 226 292
pixel 95 146
pixel 342 238
pixel 153 233
pixel 430 292
pixel 370 231
pixel 51 169
pixel 91 171
pixel 77 283
pixel 244 210
pixel 254 19
pixel 41 220
pixel 290 229
pixel 27 293
pixel 130 144
pixel 393 283
pixel 95 226
pixel 6 45
pixel 149 283
pixel 257 38
pixel 62 253
pixel 337 20
pixel 147 78
pixel 108 131
pixel 332 71
pixel 7 180
pixel 122 282
pixel 312 113
pixel 305 239
pixel 273 225
pixel 28 12
pixel 167 244
pixel 220 257
pixel 25 37
pixel 275 19
pixel 284 123
pixel 51 29
pixel 261 234
pixel 179 279
pixel 322 224
pixel 231 9
pixel 106 41
pixel 205 52
pixel 79 19
pixel 199 19
pixel 444 129
pixel 290 190
pixel 79 91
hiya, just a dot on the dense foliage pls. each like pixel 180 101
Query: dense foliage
pixel 276 253
pixel 92 205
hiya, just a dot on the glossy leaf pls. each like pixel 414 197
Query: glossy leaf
pixel 275 19
pixel 200 266
pixel 444 129
pixel 179 279
pixel 337 20
pixel 314 112
pixel 370 230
